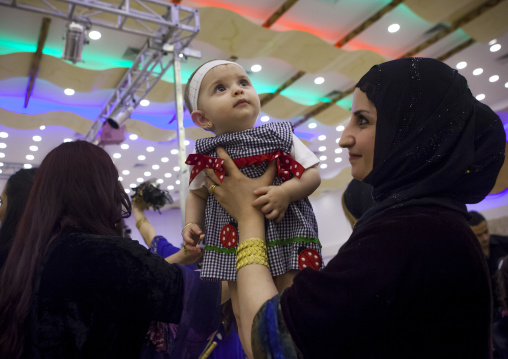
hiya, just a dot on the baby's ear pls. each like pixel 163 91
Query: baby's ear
pixel 199 119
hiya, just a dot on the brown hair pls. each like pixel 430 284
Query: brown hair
pixel 77 187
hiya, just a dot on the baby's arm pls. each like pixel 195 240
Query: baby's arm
pixel 194 219
pixel 273 201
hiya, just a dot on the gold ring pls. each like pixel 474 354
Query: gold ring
pixel 211 189
pixel 185 250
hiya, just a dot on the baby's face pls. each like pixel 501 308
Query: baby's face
pixel 228 99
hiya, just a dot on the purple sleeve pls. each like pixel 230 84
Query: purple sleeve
pixel 162 247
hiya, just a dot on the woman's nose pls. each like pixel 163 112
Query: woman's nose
pixel 346 140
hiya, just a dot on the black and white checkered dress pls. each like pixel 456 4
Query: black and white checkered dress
pixel 286 239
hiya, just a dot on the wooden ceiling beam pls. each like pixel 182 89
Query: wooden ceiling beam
pixel 282 87
pixel 456 49
pixel 278 13
pixel 36 60
pixel 470 16
pixel 367 23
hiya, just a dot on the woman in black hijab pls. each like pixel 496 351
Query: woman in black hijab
pixel 411 281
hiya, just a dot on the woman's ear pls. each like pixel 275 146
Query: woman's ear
pixel 199 119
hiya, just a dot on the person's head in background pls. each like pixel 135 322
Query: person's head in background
pixel 356 200
pixel 221 98
pixel 478 224
pixel 76 188
pixel 14 197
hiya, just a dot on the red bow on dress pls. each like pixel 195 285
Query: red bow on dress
pixel 285 164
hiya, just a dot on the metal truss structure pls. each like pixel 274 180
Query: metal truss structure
pixel 169 28
pixel 166 25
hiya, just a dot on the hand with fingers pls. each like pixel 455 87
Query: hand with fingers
pixel 236 193
pixel 192 235
pixel 273 201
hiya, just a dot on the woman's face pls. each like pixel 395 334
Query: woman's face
pixel 3 204
pixel 360 134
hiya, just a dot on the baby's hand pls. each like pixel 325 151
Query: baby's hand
pixel 273 201
pixel 192 235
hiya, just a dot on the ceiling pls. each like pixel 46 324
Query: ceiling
pixel 303 43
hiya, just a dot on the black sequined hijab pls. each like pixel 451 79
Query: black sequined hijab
pixel 435 143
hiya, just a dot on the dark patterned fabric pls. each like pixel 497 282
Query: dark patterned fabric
pixel 270 336
pixel 97 297
pixel 435 143
pixel 412 283
pixel 297 230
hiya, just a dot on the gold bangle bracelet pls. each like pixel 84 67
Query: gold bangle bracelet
pixel 139 222
pixel 253 259
pixel 188 224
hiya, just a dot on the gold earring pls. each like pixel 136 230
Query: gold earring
pixel 208 125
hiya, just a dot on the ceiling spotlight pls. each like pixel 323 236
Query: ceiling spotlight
pixel 147 174
pixel 177 181
pixel 127 190
pixel 322 148
pixel 150 149
pixel 322 138
pixel 312 125
pixel 393 28
pixel 164 159
pixel 139 179
pixel 4 134
pixel 75 38
pixel 160 181
pixel 174 151
pixel 495 47
pixel 155 167
pixel 133 137
pixel 323 158
pixel 264 118
pixel 319 80
pixel 480 97
pixel 492 42
pixel 27 166
pixel 124 146
pixel 141 157
pixel 338 159
pixel 186 142
pixel 338 150
pixel 3 145
pixel 67 140
pixel 339 128
pixel 176 168
pixel 323 165
pixel 478 71
pixel 30 157
pixel 33 148
pixel 42 127
pixel 144 103
pixel 256 68
pixel 94 35
pixel 461 65
pixel 167 175
pixel 125 172
pixel 171 187
pixel 120 178
pixel 506 85
pixel 119 119
pixel 493 78
pixel 116 155
pixel 69 92
pixel 37 138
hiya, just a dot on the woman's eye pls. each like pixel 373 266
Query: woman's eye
pixel 362 121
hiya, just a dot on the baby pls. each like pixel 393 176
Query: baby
pixel 221 99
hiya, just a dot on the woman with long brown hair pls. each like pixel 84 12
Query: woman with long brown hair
pixel 71 285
